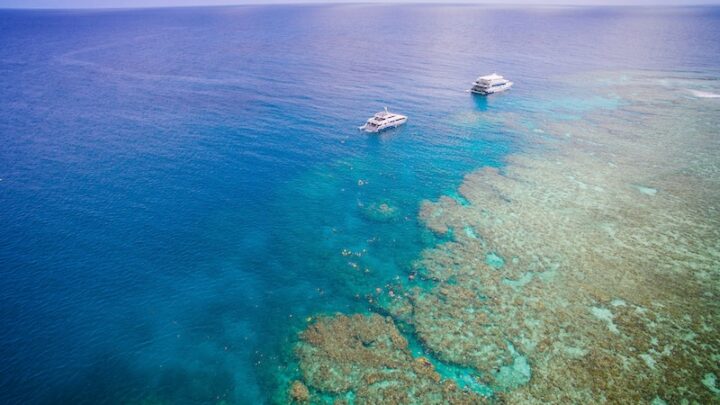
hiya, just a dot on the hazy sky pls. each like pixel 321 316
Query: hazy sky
pixel 154 3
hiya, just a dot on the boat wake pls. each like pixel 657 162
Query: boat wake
pixel 703 94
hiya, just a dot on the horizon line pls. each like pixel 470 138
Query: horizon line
pixel 379 3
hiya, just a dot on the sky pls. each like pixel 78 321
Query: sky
pixel 164 3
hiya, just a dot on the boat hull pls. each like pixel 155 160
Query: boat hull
pixel 382 128
pixel 488 91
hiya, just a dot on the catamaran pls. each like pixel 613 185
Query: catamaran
pixel 383 120
pixel 490 84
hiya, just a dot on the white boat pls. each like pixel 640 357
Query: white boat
pixel 383 120
pixel 490 84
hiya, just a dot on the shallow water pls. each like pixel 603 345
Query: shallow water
pixel 182 189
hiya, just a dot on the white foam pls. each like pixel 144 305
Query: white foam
pixel 703 94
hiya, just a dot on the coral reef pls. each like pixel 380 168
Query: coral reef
pixel 586 271
pixel 380 212
pixel 299 392
pixel 365 359
pixel 611 290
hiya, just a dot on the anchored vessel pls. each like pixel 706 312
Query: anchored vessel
pixel 490 84
pixel 383 120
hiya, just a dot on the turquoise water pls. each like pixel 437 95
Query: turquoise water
pixel 181 189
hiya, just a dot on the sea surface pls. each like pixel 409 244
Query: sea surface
pixel 181 189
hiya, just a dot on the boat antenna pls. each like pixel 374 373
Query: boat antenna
pixel 386 109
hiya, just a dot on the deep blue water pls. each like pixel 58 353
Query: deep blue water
pixel 178 185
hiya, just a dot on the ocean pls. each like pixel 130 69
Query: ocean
pixel 184 190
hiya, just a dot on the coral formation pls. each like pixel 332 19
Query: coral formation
pixel 299 392
pixel 380 212
pixel 587 271
pixel 365 359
